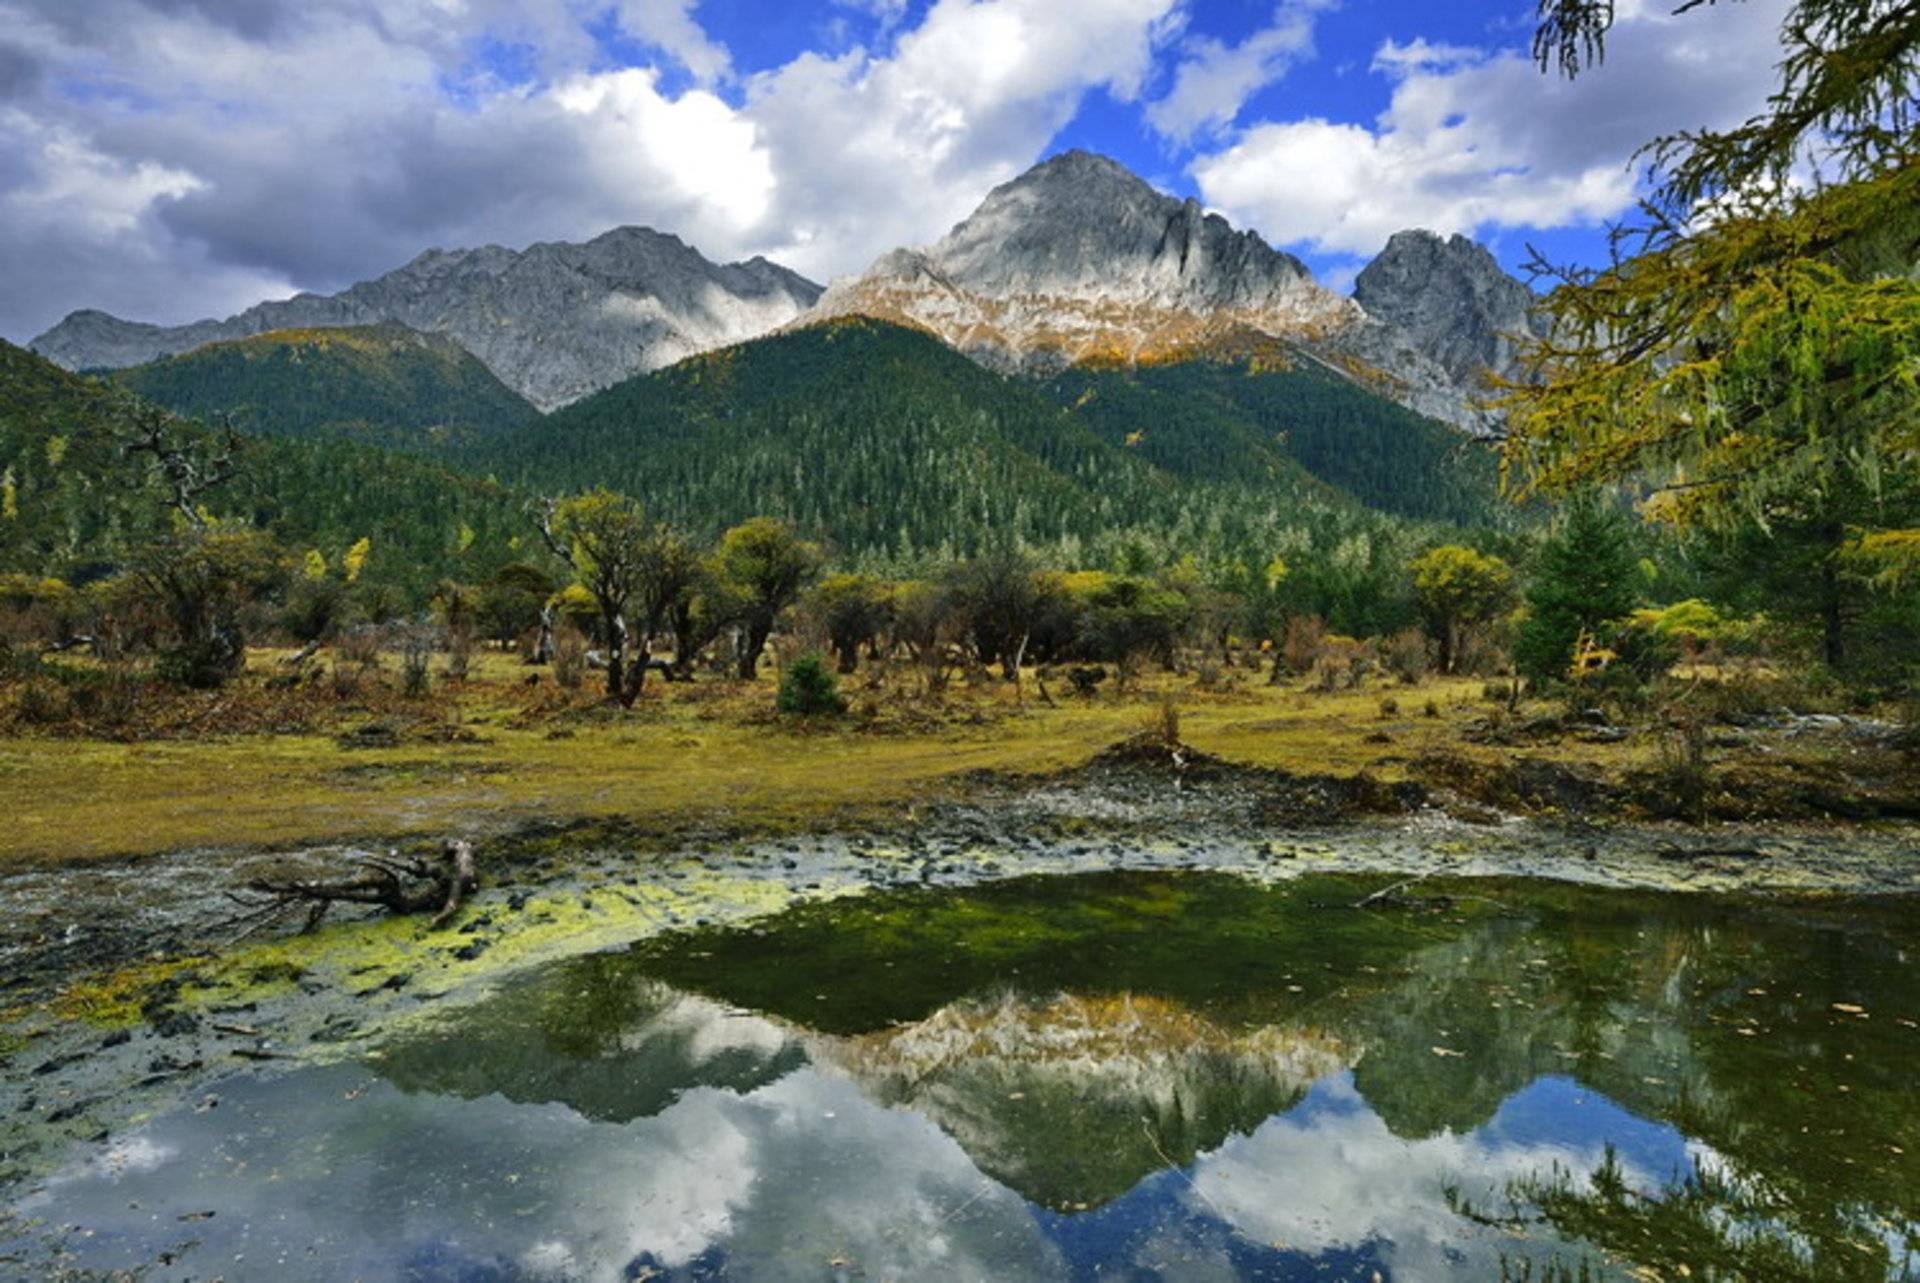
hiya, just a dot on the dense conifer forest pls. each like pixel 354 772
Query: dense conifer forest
pixel 380 385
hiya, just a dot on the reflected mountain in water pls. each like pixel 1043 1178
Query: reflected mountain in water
pixel 1071 1101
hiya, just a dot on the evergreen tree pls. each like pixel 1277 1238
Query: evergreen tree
pixel 807 689
pixel 1587 577
pixel 1755 338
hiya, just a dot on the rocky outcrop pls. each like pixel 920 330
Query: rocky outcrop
pixel 554 321
pixel 1451 298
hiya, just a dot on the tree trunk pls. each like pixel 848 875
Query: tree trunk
pixel 1833 605
pixel 616 655
pixel 756 641
pixel 543 644
pixel 683 651
pixel 1833 619
pixel 1013 665
pixel 636 674
pixel 391 882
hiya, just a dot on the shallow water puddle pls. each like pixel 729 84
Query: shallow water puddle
pixel 1139 1075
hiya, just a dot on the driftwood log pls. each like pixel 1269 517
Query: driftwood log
pixel 396 883
pixel 301 656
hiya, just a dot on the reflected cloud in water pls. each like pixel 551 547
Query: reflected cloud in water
pixel 322 1174
pixel 1276 1092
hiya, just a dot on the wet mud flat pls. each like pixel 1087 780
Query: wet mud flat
pixel 1135 804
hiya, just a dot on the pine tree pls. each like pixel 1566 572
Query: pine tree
pixel 1756 336
pixel 1587 577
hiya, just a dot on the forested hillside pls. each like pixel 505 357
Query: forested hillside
pixel 897 448
pixel 381 385
pixel 1246 418
pixel 75 503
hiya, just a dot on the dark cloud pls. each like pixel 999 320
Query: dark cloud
pixel 20 72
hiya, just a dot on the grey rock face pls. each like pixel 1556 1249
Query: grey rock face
pixel 554 322
pixel 1079 259
pixel 1081 225
pixel 1453 300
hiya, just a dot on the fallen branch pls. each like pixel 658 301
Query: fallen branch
pixel 1387 892
pixel 396 883
pixel 301 656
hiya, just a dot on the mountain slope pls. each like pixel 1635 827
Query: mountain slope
pixel 383 385
pixel 554 321
pixel 1235 419
pixel 1079 260
pixel 75 505
pixel 876 435
pixel 895 447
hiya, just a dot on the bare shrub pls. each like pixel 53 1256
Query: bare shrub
pixel 43 702
pixel 356 659
pixel 1681 767
pixel 1484 650
pixel 30 627
pixel 1405 655
pixel 459 653
pixel 1163 724
pixel 569 658
pixel 1300 644
pixel 1342 664
pixel 111 698
pixel 416 654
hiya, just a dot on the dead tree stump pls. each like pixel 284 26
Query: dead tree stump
pixel 392 882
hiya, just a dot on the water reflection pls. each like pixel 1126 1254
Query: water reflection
pixel 1054 1081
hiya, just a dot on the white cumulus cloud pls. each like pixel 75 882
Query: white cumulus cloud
pixel 1213 80
pixel 168 160
pixel 670 26
pixel 1474 140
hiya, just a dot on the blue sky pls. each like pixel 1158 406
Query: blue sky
pixel 171 159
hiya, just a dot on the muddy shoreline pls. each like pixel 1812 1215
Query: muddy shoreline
pixel 1538 819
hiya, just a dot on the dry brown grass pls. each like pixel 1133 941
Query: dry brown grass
pixel 252 766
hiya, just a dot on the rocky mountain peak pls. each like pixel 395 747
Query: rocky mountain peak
pixel 1078 259
pixel 1085 226
pixel 1452 298
pixel 554 321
